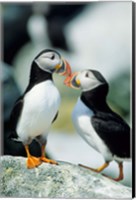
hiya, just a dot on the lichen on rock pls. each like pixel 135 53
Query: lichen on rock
pixel 55 181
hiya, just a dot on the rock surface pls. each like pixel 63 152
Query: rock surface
pixel 55 181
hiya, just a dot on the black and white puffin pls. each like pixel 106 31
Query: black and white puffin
pixel 37 108
pixel 94 120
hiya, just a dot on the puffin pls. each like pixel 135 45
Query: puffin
pixel 96 122
pixel 37 108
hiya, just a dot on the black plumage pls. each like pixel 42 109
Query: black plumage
pixel 16 112
pixel 37 108
pixel 97 123
pixel 36 76
pixel 111 128
pixel 114 132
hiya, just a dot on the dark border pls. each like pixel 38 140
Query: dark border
pixel 1 108
pixel 133 99
pixel 133 71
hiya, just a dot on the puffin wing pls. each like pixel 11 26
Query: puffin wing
pixel 114 131
pixel 15 114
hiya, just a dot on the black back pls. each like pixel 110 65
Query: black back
pixel 112 129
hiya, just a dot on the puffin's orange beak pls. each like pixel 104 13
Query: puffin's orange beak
pixel 64 69
pixel 67 81
pixel 67 71
pixel 72 81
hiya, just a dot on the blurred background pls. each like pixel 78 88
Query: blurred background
pixel 95 35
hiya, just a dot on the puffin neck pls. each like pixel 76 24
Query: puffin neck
pixel 96 99
pixel 37 75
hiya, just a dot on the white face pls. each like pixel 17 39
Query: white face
pixel 48 61
pixel 87 80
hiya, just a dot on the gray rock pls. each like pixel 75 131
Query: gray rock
pixel 55 181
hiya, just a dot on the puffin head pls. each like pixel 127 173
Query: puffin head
pixel 85 80
pixel 51 61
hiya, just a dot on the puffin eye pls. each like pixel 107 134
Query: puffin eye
pixel 52 57
pixel 87 74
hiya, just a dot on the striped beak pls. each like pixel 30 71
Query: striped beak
pixel 63 69
pixel 72 81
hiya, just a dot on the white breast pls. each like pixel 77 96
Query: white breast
pixel 81 117
pixel 41 104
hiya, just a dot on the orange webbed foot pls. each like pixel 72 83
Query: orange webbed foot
pixel 121 175
pixel 33 162
pixel 114 179
pixel 44 159
pixel 99 169
pixel 92 169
